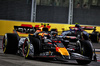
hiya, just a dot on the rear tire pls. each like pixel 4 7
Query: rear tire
pixel 10 43
pixel 86 49
pixel 95 37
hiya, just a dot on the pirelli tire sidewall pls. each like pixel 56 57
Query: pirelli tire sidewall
pixel 29 51
pixel 10 43
pixel 4 43
pixel 37 44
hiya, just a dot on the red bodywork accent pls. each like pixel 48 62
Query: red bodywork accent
pixel 56 41
pixel 87 27
pixel 26 25
pixel 48 27
pixel 59 41
pixel 74 28
pixel 57 49
pixel 84 27
pixel 98 60
pixel 73 37
pixel 90 27
pixel 36 26
pixel 73 48
pixel 23 46
pixel 42 25
pixel 49 43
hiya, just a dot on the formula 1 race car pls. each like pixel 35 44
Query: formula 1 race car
pixel 95 35
pixel 75 34
pixel 77 31
pixel 47 44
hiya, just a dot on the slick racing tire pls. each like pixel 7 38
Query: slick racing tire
pixel 31 48
pixel 37 45
pixel 86 49
pixel 95 37
pixel 28 49
pixel 10 43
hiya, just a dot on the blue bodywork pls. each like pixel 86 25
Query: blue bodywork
pixel 73 32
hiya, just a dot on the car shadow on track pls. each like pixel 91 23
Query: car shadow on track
pixel 49 60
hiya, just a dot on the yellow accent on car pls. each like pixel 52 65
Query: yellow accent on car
pixel 63 51
pixel 41 34
pixel 28 48
pixel 97 38
pixel 28 39
pixel 5 45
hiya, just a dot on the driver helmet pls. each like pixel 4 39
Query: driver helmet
pixel 77 25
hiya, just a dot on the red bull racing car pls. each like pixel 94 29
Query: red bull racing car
pixel 46 44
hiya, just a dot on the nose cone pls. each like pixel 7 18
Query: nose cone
pixel 62 51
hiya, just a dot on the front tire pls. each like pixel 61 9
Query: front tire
pixel 37 45
pixel 28 49
pixel 86 49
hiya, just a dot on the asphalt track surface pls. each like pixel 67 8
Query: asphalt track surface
pixel 15 60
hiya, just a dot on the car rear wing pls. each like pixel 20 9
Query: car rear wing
pixel 88 27
pixel 24 28
pixel 84 27
pixel 74 28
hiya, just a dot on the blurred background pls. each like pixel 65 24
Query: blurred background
pixel 86 12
